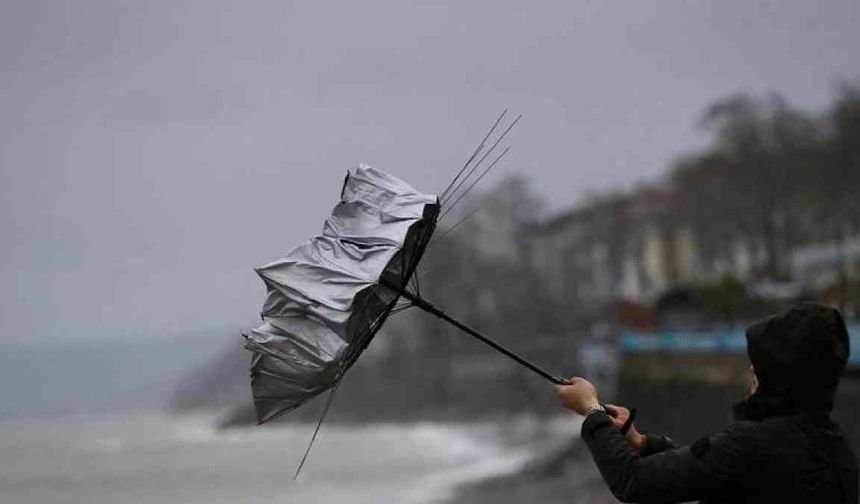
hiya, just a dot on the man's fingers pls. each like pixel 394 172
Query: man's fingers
pixel 567 381
pixel 615 407
pixel 616 411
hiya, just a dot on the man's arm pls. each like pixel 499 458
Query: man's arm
pixel 644 444
pixel 656 444
pixel 711 467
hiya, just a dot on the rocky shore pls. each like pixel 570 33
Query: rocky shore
pixel 562 472
pixel 567 476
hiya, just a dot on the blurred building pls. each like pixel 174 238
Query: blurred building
pixel 819 265
pixel 635 248
pixel 617 248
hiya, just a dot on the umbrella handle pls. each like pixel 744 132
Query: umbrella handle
pixel 430 308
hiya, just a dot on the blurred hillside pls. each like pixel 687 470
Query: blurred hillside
pixel 768 211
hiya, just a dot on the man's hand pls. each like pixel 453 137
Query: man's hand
pixel 619 416
pixel 578 395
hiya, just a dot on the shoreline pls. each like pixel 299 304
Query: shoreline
pixel 560 471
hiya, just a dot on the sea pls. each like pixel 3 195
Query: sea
pixel 153 457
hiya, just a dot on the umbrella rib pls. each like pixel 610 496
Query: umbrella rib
pixel 417 285
pixel 402 308
pixel 464 193
pixel 427 237
pixel 413 279
pixel 464 219
pixel 317 429
pixel 449 192
pixel 477 150
pixel 486 154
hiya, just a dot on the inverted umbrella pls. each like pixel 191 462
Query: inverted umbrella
pixel 327 298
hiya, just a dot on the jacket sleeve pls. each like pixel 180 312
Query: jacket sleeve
pixel 657 444
pixel 711 467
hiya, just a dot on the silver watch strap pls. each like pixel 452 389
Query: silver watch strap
pixel 595 409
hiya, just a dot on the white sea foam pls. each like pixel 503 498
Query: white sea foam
pixel 147 459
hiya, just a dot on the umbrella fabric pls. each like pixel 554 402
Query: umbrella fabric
pixel 328 297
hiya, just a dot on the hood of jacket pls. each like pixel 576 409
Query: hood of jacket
pixel 798 357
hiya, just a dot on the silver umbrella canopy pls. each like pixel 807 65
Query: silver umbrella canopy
pixel 328 297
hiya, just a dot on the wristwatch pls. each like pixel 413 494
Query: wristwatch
pixel 594 409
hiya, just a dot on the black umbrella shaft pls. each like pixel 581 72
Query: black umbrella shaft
pixel 428 307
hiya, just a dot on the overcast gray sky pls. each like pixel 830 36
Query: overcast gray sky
pixel 152 153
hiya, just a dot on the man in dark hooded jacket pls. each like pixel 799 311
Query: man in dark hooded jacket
pixel 782 447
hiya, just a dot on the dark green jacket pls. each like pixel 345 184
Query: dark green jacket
pixel 781 448
pixel 780 459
